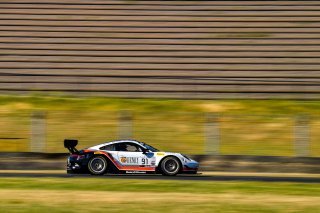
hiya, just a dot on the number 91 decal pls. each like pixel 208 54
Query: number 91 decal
pixel 144 161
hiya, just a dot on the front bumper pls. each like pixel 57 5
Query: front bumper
pixel 191 167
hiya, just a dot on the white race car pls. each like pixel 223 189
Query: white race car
pixel 128 157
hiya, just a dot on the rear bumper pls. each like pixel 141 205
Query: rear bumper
pixel 76 166
pixel 73 170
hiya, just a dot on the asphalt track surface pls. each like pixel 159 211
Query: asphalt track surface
pixel 198 177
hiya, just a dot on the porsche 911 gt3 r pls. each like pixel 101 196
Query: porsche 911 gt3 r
pixel 126 156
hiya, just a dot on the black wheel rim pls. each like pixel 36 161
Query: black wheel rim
pixel 171 165
pixel 97 165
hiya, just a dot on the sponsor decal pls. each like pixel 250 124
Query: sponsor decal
pixel 137 161
pixel 132 160
pixel 129 160
pixel 97 153
pixel 123 159
pixel 125 167
pixel 135 172
pixel 160 154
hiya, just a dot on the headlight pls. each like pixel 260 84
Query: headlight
pixel 186 157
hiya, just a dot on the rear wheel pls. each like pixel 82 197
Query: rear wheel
pixel 97 165
pixel 170 166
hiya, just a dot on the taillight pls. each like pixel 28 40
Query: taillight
pixel 80 157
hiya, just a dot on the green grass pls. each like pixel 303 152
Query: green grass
pixel 116 195
pixel 173 186
pixel 171 125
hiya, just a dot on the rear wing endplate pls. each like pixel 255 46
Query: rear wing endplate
pixel 71 144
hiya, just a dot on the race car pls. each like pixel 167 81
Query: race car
pixel 126 157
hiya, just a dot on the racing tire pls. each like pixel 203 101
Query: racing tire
pixel 97 165
pixel 170 166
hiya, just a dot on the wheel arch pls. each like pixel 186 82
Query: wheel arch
pixel 111 164
pixel 102 155
pixel 89 165
pixel 158 168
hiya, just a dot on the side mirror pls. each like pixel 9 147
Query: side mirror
pixel 145 151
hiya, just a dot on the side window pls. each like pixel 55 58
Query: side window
pixel 128 147
pixel 108 147
pixel 133 148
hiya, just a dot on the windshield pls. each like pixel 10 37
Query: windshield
pixel 152 149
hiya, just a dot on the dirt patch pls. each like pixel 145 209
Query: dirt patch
pixel 220 107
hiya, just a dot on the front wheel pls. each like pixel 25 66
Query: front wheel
pixel 97 165
pixel 170 166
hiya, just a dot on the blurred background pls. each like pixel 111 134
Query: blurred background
pixel 212 133
pixel 199 77
pixel 234 84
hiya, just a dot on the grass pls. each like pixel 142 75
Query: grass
pixel 171 125
pixel 116 195
pixel 160 186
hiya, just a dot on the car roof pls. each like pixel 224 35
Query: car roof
pixel 114 142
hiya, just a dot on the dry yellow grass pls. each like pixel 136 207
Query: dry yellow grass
pixel 58 197
pixel 171 125
pixel 135 196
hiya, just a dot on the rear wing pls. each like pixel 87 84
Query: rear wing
pixel 71 144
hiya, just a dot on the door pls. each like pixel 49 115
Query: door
pixel 131 157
